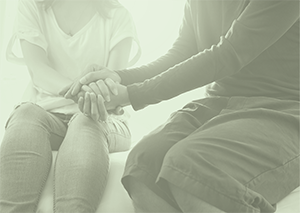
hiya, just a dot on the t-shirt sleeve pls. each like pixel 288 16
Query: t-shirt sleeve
pixel 123 27
pixel 28 27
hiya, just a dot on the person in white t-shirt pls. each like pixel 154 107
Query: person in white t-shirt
pixel 61 40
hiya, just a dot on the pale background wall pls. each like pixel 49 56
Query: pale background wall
pixel 157 23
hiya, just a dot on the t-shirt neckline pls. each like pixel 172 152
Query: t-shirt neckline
pixel 67 36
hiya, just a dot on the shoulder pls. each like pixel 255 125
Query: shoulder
pixel 30 5
pixel 120 13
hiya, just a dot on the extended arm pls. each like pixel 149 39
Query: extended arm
pixel 257 28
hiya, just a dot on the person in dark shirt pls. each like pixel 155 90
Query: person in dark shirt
pixel 237 149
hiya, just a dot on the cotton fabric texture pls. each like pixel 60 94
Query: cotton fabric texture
pixel 238 148
pixel 69 55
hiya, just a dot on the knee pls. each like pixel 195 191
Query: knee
pixel 182 157
pixel 80 121
pixel 145 153
pixel 26 114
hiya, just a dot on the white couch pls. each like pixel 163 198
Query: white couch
pixel 116 199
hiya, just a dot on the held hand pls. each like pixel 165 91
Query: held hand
pixel 103 88
pixel 91 103
pixel 120 100
pixel 74 88
pixel 93 106
pixel 98 75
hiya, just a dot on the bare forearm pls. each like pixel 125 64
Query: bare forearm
pixel 48 79
pixel 41 72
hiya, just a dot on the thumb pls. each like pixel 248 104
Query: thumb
pixel 92 68
pixel 91 77
pixel 97 67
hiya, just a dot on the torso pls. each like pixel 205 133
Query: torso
pixel 72 16
pixel 274 73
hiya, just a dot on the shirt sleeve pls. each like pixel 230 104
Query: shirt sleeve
pixel 183 48
pixel 259 26
pixel 123 27
pixel 28 27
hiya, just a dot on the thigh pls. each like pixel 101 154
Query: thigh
pixel 240 160
pixel 30 117
pixel 150 151
pixel 145 160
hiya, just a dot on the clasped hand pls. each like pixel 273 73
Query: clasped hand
pixel 97 93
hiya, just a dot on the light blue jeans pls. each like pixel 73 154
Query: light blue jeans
pixel 81 166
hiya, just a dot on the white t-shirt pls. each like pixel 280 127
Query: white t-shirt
pixel 69 55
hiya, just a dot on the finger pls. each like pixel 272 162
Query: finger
pixel 89 68
pixel 71 92
pixel 104 90
pixel 112 86
pixel 91 77
pixel 94 88
pixel 94 107
pixel 76 97
pixel 87 105
pixel 76 88
pixel 80 104
pixel 86 88
pixel 92 68
pixel 97 67
pixel 68 94
pixel 101 108
pixel 81 94
pixel 119 110
pixel 64 90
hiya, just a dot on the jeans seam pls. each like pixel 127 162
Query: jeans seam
pixel 54 175
pixel 44 180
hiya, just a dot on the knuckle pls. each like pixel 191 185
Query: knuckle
pixel 100 99
pixel 100 81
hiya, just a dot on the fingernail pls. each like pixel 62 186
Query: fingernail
pixel 82 80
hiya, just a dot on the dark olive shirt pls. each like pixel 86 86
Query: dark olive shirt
pixel 237 48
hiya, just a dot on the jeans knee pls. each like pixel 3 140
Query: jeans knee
pixel 80 121
pixel 27 114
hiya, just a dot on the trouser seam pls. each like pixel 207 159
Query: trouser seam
pixel 282 165
pixel 191 177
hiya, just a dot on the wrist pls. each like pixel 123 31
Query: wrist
pixel 116 77
pixel 125 97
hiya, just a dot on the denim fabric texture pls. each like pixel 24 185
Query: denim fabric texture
pixel 81 166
